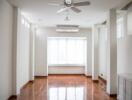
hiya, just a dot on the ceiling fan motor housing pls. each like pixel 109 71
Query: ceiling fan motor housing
pixel 68 3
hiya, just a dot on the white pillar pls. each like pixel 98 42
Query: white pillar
pixel 125 22
pixel 88 68
pixel 14 51
pixel 32 52
pixel 41 67
pixel 95 69
pixel 112 53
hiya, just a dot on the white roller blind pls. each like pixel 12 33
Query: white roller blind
pixel 66 51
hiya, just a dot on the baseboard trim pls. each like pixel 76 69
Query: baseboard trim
pixel 40 76
pixel 113 95
pixel 13 97
pixel 95 81
pixel 24 86
pixel 29 82
pixel 89 76
pixel 66 74
pixel 102 79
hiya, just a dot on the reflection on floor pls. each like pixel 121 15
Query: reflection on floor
pixel 66 93
pixel 63 87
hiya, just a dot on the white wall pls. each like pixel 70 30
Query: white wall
pixel 41 48
pixel 95 52
pixel 129 22
pixel 125 55
pixel 66 70
pixel 6 13
pixel 103 52
pixel 41 53
pixel 22 52
pixel 125 48
pixel 32 51
pixel 112 52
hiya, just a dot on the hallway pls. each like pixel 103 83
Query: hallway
pixel 64 87
pixel 65 50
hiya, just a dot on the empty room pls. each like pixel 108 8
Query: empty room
pixel 65 50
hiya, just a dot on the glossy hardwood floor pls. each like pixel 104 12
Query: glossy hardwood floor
pixel 64 87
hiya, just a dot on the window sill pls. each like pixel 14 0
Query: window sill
pixel 66 65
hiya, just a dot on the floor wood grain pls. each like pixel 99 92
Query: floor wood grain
pixel 64 87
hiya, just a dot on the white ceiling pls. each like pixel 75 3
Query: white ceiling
pixel 43 14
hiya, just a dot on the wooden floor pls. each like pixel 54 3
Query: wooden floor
pixel 64 87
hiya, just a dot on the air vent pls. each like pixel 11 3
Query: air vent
pixel 67 28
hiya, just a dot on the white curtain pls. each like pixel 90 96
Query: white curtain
pixel 66 51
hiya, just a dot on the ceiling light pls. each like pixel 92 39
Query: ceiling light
pixel 67 18
pixel 68 30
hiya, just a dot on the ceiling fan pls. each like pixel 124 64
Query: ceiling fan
pixel 69 4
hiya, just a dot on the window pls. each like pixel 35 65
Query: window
pixel 66 51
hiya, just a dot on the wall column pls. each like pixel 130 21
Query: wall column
pixel 95 69
pixel 112 53
pixel 41 64
pixel 32 52
pixel 14 51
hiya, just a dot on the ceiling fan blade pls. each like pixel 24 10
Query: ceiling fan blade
pixel 76 9
pixel 127 6
pixel 53 4
pixel 85 3
pixel 63 9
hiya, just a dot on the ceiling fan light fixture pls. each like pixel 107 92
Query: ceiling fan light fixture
pixel 68 30
pixel 67 18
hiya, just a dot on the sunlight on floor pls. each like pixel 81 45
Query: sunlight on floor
pixel 66 93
